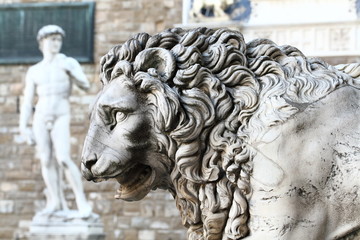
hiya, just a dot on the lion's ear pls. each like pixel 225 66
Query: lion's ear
pixel 156 58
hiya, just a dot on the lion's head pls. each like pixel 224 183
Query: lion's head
pixel 178 109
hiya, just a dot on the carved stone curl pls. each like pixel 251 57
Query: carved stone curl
pixel 254 141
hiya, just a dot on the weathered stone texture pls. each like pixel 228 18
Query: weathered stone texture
pixel 21 184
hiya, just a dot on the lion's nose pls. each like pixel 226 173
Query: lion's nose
pixel 89 161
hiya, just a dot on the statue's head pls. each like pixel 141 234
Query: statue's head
pixel 50 38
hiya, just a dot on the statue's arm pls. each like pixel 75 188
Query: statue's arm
pixel 27 105
pixel 76 73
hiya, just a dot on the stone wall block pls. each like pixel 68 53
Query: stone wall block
pixel 25 151
pixel 160 224
pixel 138 222
pixel 171 235
pixel 24 207
pixel 28 185
pixel 119 234
pixel 6 138
pixel 175 222
pixel 5 232
pixel 159 209
pixel 11 105
pixel 2 100
pixel 9 119
pixel 147 208
pixel 7 206
pixel 122 222
pixel 132 209
pixel 130 234
pixel 17 88
pixel 103 207
pixel 8 186
pixel 19 175
pixel 171 210
pixel 23 195
pixel 146 235
pixel 4 89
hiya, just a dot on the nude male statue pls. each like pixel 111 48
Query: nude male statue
pixel 51 81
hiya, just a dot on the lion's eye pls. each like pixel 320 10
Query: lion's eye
pixel 120 116
pixel 117 117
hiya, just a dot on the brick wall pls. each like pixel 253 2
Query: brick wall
pixel 21 184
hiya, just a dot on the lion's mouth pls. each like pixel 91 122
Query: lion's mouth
pixel 135 183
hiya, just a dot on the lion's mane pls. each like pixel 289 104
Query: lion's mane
pixel 208 107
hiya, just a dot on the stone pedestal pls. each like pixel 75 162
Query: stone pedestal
pixel 65 225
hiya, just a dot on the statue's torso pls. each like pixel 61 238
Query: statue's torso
pixel 306 172
pixel 53 87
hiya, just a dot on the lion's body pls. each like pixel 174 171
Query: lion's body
pixel 254 141
pixel 314 165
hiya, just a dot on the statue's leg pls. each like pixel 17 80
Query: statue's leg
pixel 48 165
pixel 60 135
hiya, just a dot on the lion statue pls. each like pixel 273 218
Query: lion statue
pixel 254 141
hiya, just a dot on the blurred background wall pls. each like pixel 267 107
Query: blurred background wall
pixel 331 32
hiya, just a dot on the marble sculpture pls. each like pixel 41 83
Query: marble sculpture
pixel 254 140
pixel 50 81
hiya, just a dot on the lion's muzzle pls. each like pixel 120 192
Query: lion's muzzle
pixel 86 164
pixel 90 153
pixel 86 172
pixel 88 158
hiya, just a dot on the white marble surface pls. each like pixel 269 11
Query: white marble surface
pixel 50 82
pixel 66 225
pixel 255 141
